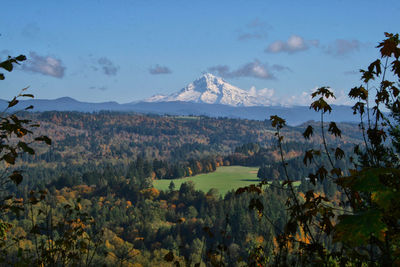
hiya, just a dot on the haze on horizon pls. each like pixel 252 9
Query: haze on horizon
pixel 125 51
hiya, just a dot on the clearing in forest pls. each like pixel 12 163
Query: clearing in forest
pixel 225 178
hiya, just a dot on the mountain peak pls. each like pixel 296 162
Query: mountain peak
pixel 210 89
pixel 209 77
pixel 66 99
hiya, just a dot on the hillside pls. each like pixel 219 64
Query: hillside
pixel 84 136
pixel 160 147
pixel 106 164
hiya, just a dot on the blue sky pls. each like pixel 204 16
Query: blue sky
pixel 125 51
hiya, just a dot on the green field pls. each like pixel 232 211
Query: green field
pixel 224 179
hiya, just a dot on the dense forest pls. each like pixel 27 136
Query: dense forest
pixel 157 147
pixel 108 161
pixel 77 188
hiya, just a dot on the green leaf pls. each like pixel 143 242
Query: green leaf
pixel 359 106
pixel 368 180
pixel 396 67
pixel 324 92
pixel 27 95
pixel 358 92
pixel 366 76
pixel 339 153
pixel 333 129
pixel 44 138
pixel 251 189
pixel 321 104
pixel 308 132
pixel 169 256
pixel 7 65
pixel 9 158
pixel 26 148
pixel 20 58
pixel 309 155
pixel 277 121
pixel 13 102
pixel 375 65
pixel 16 177
pixel 256 204
pixel 389 46
pixel 357 229
pixel 336 171
pixel 384 198
pixel 321 173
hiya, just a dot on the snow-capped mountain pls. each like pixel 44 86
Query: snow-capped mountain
pixel 207 96
pixel 210 89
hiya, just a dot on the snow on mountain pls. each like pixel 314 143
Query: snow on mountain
pixel 210 89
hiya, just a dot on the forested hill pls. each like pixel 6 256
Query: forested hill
pixel 80 137
pixel 159 147
pixel 106 162
pixel 295 114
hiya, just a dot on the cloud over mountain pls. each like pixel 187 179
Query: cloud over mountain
pixel 305 99
pixel 211 89
pixel 253 69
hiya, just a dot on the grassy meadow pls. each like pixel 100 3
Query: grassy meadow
pixel 224 179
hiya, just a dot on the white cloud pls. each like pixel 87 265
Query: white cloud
pixel 101 88
pixel 294 44
pixel 157 69
pixel 304 98
pixel 266 92
pixel 108 67
pixel 279 67
pixel 253 69
pixel 256 29
pixel 342 47
pixel 45 65
pixel 265 96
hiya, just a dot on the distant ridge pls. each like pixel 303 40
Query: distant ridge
pixel 207 96
pixel 63 104
pixel 293 115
